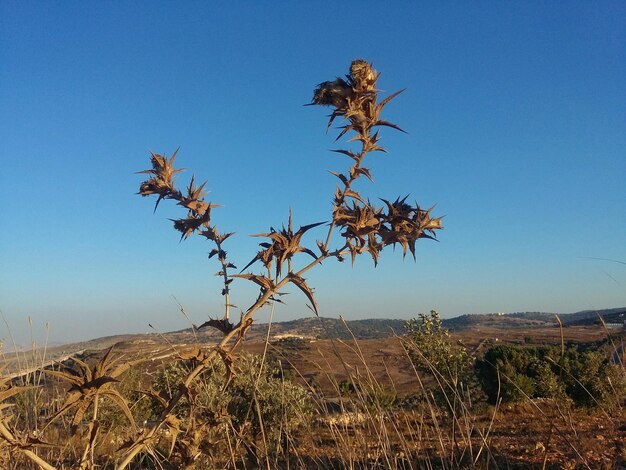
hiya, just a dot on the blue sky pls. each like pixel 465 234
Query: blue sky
pixel 515 114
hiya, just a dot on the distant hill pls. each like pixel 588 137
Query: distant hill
pixel 534 319
pixel 612 316
pixel 335 328
pixel 584 317
pixel 306 328
pixel 495 320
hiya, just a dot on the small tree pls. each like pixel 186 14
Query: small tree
pixel 432 351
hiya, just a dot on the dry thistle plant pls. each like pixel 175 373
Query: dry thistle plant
pixel 88 386
pixel 365 228
pixel 11 438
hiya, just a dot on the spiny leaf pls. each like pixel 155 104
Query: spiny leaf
pixel 94 426
pixel 275 299
pixel 285 244
pixel 93 385
pixel 389 124
pixel 382 104
pixel 13 390
pixel 223 237
pixel 193 192
pixel 305 228
pixel 157 396
pixel 173 425
pixel 309 252
pixel 254 260
pixel 81 409
pixel 210 233
pixel 320 245
pixel 262 281
pixel 103 364
pixel 342 177
pixel 350 154
pixel 86 370
pixel 119 400
pixel 344 130
pixel 331 119
pixel 353 195
pixel 70 401
pixel 363 171
pixel 73 379
pixel 302 285
pixel 174 156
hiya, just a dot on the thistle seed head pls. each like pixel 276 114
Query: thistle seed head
pixel 334 93
pixel 362 75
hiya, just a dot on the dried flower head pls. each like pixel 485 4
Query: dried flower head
pixel 284 245
pixel 362 75
pixel 162 181
pixel 355 100
pixel 334 93
pixel 358 220
pixel 405 224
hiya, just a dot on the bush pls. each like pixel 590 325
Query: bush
pixel 257 402
pixel 592 381
pixel 432 351
pixel 586 377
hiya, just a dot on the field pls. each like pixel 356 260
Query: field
pixel 387 418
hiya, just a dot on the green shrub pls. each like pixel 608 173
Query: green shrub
pixel 433 352
pixel 346 387
pixel 257 402
pixel 502 374
pixel 592 380
pixel 546 382
pixel 431 349
pixel 284 405
pixel 578 374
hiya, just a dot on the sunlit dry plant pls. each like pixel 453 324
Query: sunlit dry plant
pixel 365 227
pixel 406 224
pixel 90 383
pixel 88 386
pixel 162 181
pixel 285 244
pixel 361 223
pixel 216 409
pixel 16 441
pixel 7 389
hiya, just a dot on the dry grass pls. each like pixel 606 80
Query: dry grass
pixel 387 419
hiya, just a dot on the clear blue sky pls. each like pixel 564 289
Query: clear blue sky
pixel 516 120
